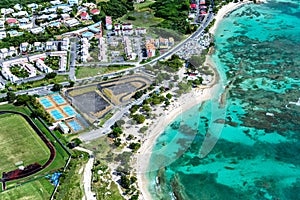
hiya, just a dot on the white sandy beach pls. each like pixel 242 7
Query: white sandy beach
pixel 224 11
pixel 184 103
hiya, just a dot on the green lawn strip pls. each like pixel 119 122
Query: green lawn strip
pixel 83 72
pixel 143 6
pixel 19 142
pixel 38 189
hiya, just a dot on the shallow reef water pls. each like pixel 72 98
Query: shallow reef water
pixel 257 53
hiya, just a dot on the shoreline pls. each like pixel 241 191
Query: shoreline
pixel 225 10
pixel 184 103
pixel 144 154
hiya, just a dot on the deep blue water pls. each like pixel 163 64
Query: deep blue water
pixel 246 147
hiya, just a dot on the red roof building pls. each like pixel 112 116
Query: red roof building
pixel 108 22
pixel 95 12
pixel 11 21
pixel 193 6
pixel 84 16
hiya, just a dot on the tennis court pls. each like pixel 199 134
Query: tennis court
pixel 69 111
pixel 75 125
pixel 58 99
pixel 46 103
pixel 56 114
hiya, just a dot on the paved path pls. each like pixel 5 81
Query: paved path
pixel 87 175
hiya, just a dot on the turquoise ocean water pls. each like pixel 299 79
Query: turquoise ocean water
pixel 253 136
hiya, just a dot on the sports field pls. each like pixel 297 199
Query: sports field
pixel 40 189
pixel 19 143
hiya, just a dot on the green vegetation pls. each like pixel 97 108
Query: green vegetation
pixel 19 72
pixel 83 72
pixel 39 189
pixel 141 19
pixel 175 14
pixel 139 118
pixel 20 143
pixel 70 181
pixel 116 8
pixel 61 154
pixel 52 62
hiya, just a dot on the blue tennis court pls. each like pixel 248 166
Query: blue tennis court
pixel 46 103
pixel 58 99
pixel 69 111
pixel 56 114
pixel 75 125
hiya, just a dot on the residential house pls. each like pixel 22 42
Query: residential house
pixel 3 53
pixel 24 23
pixel 38 46
pixel 139 1
pixel 2 35
pixel 29 68
pixel 65 16
pixel 117 29
pixel 63 64
pixel 55 2
pixel 33 6
pixel 2 24
pixel 7 11
pixel 42 66
pixel 18 7
pixel 65 44
pixel 20 14
pixel 72 22
pixel 89 5
pixel 140 31
pixel 108 22
pixel 67 10
pixel 95 12
pixel 150 48
pixel 11 21
pixel 50 46
pixel 128 48
pixel 163 43
pixel 85 50
pixel 73 2
pixel 12 51
pixel 37 30
pixel 127 29
pixel 171 41
pixel 24 47
pixel 84 16
pixel 14 33
pixel 6 73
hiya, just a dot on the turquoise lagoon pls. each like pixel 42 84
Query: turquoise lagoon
pixel 253 136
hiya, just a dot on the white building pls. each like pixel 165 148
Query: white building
pixel 85 49
pixel 12 51
pixel 24 47
pixel 42 66
pixel 50 46
pixel 2 35
pixel 140 31
pixel 38 46
pixel 34 58
pixel 3 53
pixel 128 48
pixel 30 69
pixel 72 22
pixel 63 64
pixel 6 73
pixel 72 2
pixel 63 127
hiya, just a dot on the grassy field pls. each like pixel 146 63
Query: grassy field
pixel 143 19
pixel 19 142
pixel 39 189
pixel 61 154
pixel 83 72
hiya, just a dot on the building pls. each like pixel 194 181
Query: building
pixel 2 24
pixel 84 16
pixel 88 35
pixel 140 31
pixel 11 21
pixel 6 73
pixel 29 68
pixel 65 44
pixel 95 12
pixel 24 47
pixel 72 22
pixel 108 22
pixel 65 16
pixel 33 6
pixel 18 7
pixel 85 50
pixel 73 2
pixel 38 46
pixel 42 66
pixel 50 46
pixel 128 48
pixel 63 127
pixel 37 30
pixel 34 58
pixel 117 29
pixel 150 48
pixel 12 51
pixel 63 64
pixel 2 35
pixel 3 53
